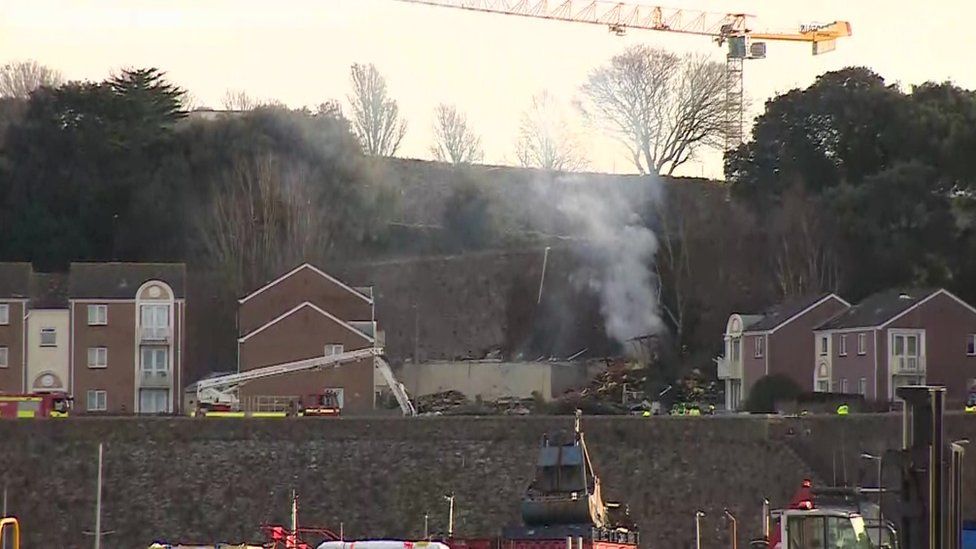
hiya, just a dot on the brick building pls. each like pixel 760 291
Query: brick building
pixel 777 341
pixel 109 334
pixel 302 314
pixel 894 338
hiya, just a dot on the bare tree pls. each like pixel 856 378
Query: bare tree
pixel 454 141
pixel 266 218
pixel 19 79
pixel 804 260
pixel 661 106
pixel 238 100
pixel 375 116
pixel 544 138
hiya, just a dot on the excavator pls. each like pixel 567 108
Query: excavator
pixel 218 396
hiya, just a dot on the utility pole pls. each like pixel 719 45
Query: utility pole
pixel 98 502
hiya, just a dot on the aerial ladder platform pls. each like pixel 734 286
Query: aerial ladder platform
pixel 221 392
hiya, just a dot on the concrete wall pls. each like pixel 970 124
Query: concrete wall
pixel 199 480
pixel 491 380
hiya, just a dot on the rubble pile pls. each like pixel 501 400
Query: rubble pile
pixel 439 403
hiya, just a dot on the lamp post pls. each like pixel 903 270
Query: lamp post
pixel 698 516
pixel 880 460
pixel 450 516
pixel 735 534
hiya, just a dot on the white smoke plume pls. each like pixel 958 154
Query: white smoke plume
pixel 619 252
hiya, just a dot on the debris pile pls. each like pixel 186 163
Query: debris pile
pixel 439 403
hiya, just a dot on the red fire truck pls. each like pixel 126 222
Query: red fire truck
pixel 34 405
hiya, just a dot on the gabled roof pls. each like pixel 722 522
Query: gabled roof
pixel 122 280
pixel 780 314
pixel 317 271
pixel 315 308
pixel 882 307
pixel 49 291
pixel 15 280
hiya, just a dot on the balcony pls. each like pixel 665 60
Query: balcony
pixel 907 365
pixel 154 378
pixel 728 369
pixel 153 334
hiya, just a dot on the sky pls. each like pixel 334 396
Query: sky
pixel 489 66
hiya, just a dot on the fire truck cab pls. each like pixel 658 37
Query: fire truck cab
pixel 35 405
pixel 821 529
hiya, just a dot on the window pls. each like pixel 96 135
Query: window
pixel 97 357
pixel 862 344
pixel 154 360
pixel 823 345
pixel 154 320
pixel 153 401
pixel 736 343
pixel 332 349
pixel 49 337
pixel 971 345
pixel 843 385
pixel 805 531
pixel 97 401
pixel 906 351
pixel 823 386
pixel 4 314
pixel 760 343
pixel 97 315
pixel 862 387
pixel 4 357
pixel 847 533
pixel 842 345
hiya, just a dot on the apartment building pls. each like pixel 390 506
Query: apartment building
pixel 110 334
pixel 302 314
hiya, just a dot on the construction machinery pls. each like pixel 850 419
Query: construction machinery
pixel 733 29
pixel 35 405
pixel 218 396
pixel 563 505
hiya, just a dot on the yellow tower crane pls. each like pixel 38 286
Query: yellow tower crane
pixel 732 29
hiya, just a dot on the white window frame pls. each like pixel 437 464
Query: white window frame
pixel 53 332
pixel 823 385
pixel 843 385
pixel 4 314
pixel 824 345
pixel 98 357
pixel 842 345
pixel 4 356
pixel 94 395
pixel 156 391
pixel 736 349
pixel 98 315
pixel 760 346
pixel 971 345
pixel 862 344
pixel 862 386
pixel 919 355
pixel 333 349
pixel 154 367
pixel 154 319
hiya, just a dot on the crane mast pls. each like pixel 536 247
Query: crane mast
pixel 724 28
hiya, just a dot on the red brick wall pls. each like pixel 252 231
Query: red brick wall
pixel 303 285
pixel 792 349
pixel 118 379
pixel 854 366
pixel 752 368
pixel 12 337
pixel 302 335
pixel 946 323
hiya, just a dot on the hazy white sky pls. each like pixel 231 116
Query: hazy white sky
pixel 299 51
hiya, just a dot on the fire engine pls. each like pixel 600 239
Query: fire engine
pixel 34 405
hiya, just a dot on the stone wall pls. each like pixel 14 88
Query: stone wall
pixel 208 480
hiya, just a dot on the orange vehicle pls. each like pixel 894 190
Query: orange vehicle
pixel 34 405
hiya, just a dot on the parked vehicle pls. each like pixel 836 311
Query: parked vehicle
pixel 35 405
